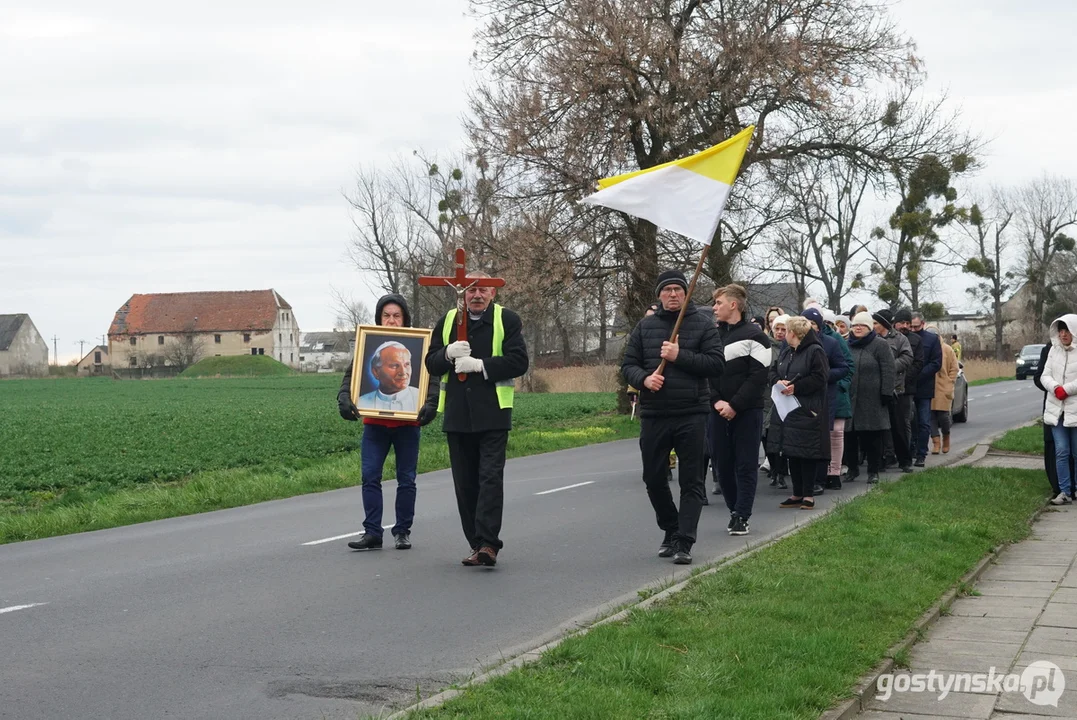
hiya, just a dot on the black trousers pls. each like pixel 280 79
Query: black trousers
pixel 478 474
pixel 900 421
pixel 735 450
pixel 871 441
pixel 687 435
pixel 803 474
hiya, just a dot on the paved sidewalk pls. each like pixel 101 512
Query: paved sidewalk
pixel 1023 610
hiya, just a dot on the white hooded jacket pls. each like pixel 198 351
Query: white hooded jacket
pixel 1061 370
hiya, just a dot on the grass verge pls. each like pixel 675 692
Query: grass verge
pixel 540 428
pixel 988 381
pixel 787 632
pixel 1027 439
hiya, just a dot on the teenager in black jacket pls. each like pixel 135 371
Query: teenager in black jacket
pixel 674 407
pixel 737 399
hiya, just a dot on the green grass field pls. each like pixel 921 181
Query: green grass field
pixel 84 454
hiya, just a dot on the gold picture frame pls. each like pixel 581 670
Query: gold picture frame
pixel 368 381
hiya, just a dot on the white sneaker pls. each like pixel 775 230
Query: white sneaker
pixel 765 465
pixel 1061 499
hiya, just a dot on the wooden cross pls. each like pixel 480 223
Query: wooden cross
pixel 460 282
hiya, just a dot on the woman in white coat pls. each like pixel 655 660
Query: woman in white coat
pixel 1060 412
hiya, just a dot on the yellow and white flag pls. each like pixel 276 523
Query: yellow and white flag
pixel 686 196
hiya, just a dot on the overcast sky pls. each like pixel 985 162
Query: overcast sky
pixel 147 147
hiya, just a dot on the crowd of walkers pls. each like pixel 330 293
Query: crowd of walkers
pixel 825 395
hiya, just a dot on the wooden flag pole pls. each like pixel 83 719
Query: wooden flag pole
pixel 684 307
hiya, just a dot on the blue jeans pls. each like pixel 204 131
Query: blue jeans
pixel 377 439
pixel 923 426
pixel 1065 445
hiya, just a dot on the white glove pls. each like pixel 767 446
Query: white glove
pixel 458 349
pixel 468 365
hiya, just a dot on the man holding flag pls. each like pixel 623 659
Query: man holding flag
pixel 686 196
pixel 674 406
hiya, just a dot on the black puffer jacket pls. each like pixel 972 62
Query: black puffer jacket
pixel 686 390
pixel 805 432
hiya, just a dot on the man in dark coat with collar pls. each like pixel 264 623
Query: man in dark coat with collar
pixel 907 401
pixel 674 407
pixel 478 411
pixel 925 385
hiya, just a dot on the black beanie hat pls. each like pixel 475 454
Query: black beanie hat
pixel 671 277
pixel 885 318
pixel 903 315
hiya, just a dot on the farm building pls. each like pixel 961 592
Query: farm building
pixel 23 351
pixel 96 362
pixel 180 328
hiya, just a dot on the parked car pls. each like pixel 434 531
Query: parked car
pixel 1028 361
pixel 959 410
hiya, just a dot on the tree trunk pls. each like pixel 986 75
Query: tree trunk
pixel 642 264
pixel 603 320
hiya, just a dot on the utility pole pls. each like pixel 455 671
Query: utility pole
pixel 55 352
pixel 82 344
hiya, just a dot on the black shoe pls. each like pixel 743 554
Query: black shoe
pixel 717 489
pixel 919 462
pixel 833 482
pixel 907 469
pixel 683 556
pixel 666 549
pixel 367 542
pixel 818 490
pixel 782 485
pixel 740 526
pixel 732 519
pixel 791 503
pixel 403 541
pixel 774 480
pixel 873 478
pixel 705 500
pixel 852 475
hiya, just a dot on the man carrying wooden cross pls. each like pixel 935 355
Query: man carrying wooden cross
pixel 477 410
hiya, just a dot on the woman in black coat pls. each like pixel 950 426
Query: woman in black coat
pixel 804 435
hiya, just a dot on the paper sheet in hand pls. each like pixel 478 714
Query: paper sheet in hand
pixel 783 404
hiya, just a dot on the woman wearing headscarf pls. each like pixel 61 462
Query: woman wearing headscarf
pixel 803 436
pixel 1059 380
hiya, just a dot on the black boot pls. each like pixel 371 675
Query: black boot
pixel 782 484
pixel 833 482
pixel 367 542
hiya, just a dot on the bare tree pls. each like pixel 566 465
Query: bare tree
pixel 821 239
pixel 185 350
pixel 1046 209
pixel 987 233
pixel 582 90
pixel 349 312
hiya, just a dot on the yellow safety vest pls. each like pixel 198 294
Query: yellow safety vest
pixel 505 389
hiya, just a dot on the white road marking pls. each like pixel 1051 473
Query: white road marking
pixel 342 537
pixel 566 487
pixel 13 608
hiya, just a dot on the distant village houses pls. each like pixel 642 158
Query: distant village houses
pixel 165 329
pixel 326 351
pixel 976 331
pixel 23 352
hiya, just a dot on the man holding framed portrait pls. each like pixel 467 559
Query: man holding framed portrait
pixel 387 386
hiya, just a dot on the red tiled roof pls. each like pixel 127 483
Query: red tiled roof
pixel 226 311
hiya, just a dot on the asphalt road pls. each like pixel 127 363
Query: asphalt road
pixel 243 614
